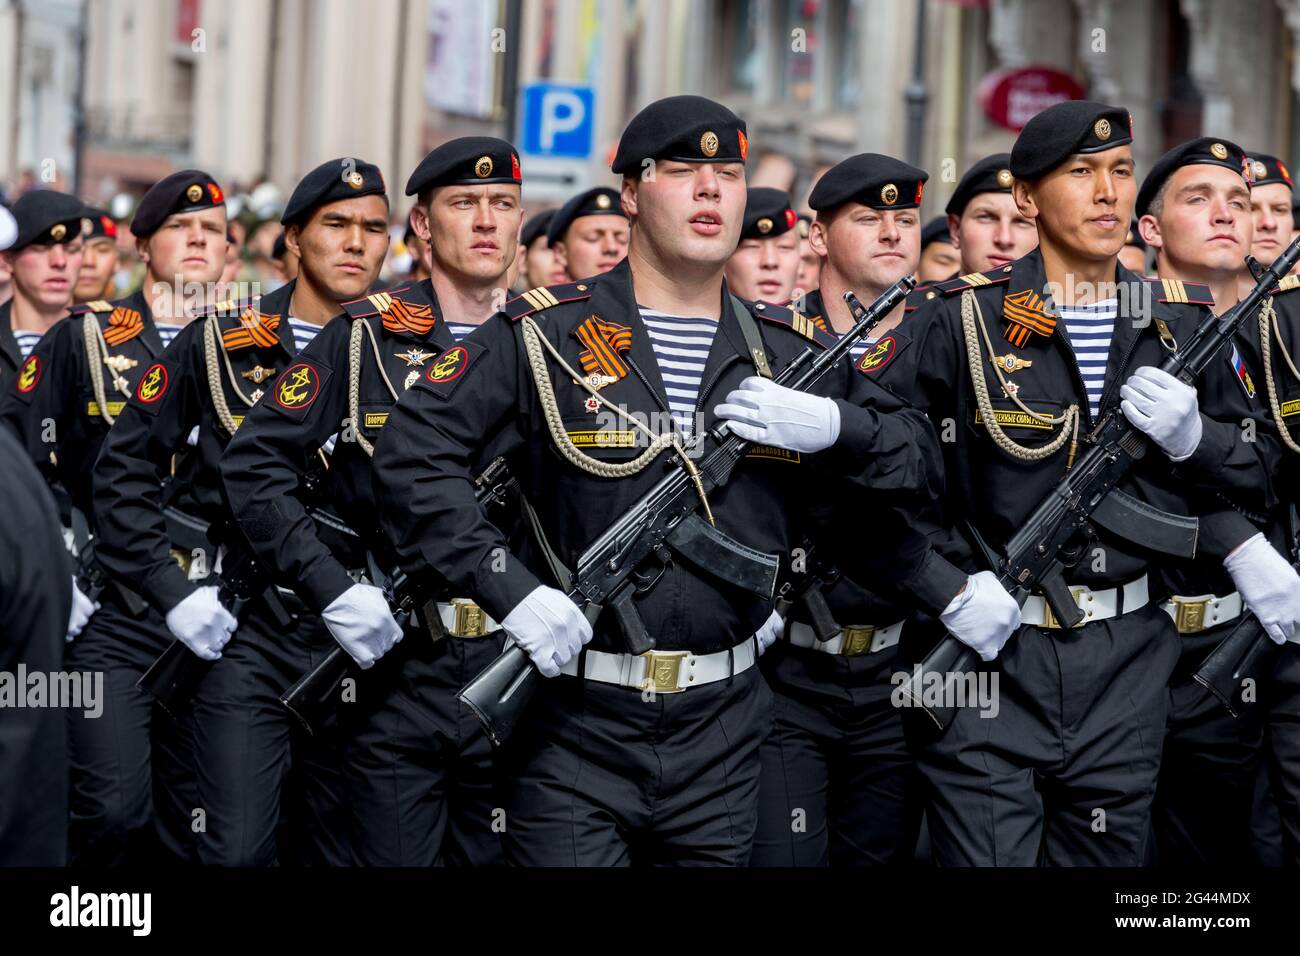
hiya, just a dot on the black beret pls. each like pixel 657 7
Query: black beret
pixel 768 214
pixel 1134 238
pixel 188 190
pixel 601 201
pixel 1265 170
pixel 343 178
pixel 1063 129
pixel 936 230
pixel 1205 151
pixel 470 159
pixel 47 217
pixel 687 129
pixel 992 174
pixel 101 223
pixel 535 228
pixel 880 182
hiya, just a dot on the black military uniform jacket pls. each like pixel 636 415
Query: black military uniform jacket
pixel 310 401
pixel 10 355
pixel 172 399
pixel 994 491
pixel 423 460
pixel 53 406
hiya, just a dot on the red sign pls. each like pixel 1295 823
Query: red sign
pixel 1011 98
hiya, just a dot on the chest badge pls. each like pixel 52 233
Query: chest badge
pixel 410 378
pixel 414 357
pixel 257 394
pixel 1011 362
pixel 120 363
pixel 257 374
pixel 592 405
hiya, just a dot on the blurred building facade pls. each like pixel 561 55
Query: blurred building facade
pixel 265 89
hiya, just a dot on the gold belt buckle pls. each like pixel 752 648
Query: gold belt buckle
pixel 1189 615
pixel 662 670
pixel 857 640
pixel 184 559
pixel 1049 619
pixel 470 619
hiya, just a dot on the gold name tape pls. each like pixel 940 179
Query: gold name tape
pixel 1291 408
pixel 601 438
pixel 114 408
pixel 1011 417
pixel 376 419
pixel 771 451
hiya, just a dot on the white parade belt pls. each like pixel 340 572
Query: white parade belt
pixel 461 617
pixel 1194 614
pixel 667 672
pixel 853 641
pixel 1096 605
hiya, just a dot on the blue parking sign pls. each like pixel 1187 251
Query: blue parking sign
pixel 558 120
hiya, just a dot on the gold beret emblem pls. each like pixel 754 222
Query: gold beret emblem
pixel 1219 151
pixel 602 201
pixel 889 194
pixel 1259 169
pixel 709 144
pixel 764 225
pixel 194 193
pixel 483 168
pixel 355 179
pixel 58 231
pixel 1005 178
pixel 1101 129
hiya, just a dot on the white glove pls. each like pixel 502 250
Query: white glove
pixel 201 623
pixel 1269 586
pixel 983 616
pixel 82 608
pixel 1164 409
pixel 767 634
pixel 359 619
pixel 762 411
pixel 549 627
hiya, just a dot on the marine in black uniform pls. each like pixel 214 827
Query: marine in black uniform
pixel 766 263
pixel 130 773
pixel 1063 771
pixel 418 766
pixel 1195 207
pixel 625 759
pixel 989 231
pixel 213 375
pixel 588 234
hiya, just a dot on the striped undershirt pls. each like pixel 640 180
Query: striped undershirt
pixel 459 330
pixel 855 351
pixel 26 340
pixel 1090 328
pixel 167 332
pixel 303 333
pixel 682 346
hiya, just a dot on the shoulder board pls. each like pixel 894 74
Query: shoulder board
pixel 227 308
pixel 1288 284
pixel 921 294
pixel 795 320
pixel 378 303
pixel 98 305
pixel 544 297
pixel 1178 292
pixel 971 280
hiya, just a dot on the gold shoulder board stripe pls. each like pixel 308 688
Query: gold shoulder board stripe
pixel 540 298
pixel 382 301
pixel 975 278
pixel 802 324
pixel 100 305
pixel 1174 290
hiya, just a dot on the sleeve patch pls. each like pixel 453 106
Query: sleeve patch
pixel 30 374
pixel 298 387
pixel 445 373
pixel 880 353
pixel 152 385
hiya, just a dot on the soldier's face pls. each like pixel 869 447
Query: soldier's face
pixel 46 275
pixel 1204 222
pixel 592 245
pixel 992 233
pixel 98 261
pixel 690 214
pixel 188 247
pixel 810 267
pixel 541 266
pixel 765 268
pixel 342 245
pixel 472 231
pixel 939 260
pixel 869 248
pixel 1083 206
pixel 1270 207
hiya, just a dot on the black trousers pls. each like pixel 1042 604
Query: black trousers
pixel 1064 774
pixel 838 786
pixel 1205 795
pixel 1282 749
pixel 419 770
pixel 602 775
pixel 133 793
pixel 247 746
